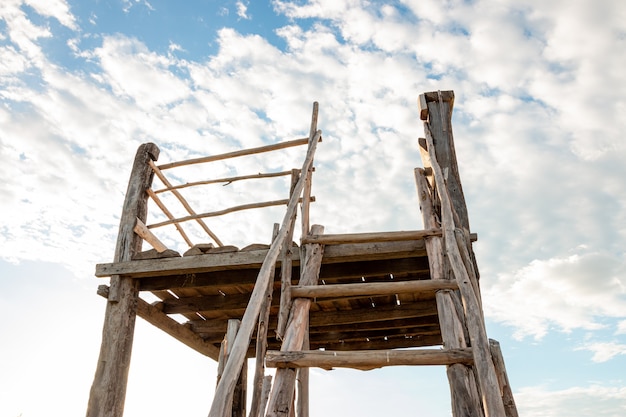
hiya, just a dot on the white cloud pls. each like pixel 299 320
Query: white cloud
pixel 594 400
pixel 566 293
pixel 604 351
pixel 242 10
pixel 59 9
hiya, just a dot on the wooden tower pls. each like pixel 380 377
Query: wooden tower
pixel 350 300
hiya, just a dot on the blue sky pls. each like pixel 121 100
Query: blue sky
pixel 538 123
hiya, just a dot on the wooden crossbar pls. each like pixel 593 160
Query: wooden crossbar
pixel 224 211
pixel 227 180
pixel 366 359
pixel 243 152
pixel 373 288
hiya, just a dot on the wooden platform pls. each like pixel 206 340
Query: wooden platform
pixel 371 295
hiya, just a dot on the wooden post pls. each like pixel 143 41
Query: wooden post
pixel 302 377
pixel 282 395
pixel 505 388
pixel 463 390
pixel 453 217
pixel 108 391
pixel 261 343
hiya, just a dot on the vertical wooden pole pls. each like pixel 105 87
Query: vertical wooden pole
pixel 302 378
pixel 505 388
pixel 452 212
pixel 282 395
pixel 463 390
pixel 261 343
pixel 108 391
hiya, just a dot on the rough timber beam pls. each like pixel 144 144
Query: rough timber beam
pixel 108 391
pixel 367 359
pixel 348 252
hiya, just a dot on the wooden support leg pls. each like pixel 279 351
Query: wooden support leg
pixel 282 395
pixel 108 391
pixel 463 389
pixel 505 388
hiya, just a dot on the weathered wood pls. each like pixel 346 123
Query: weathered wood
pixel 169 215
pixel 265 394
pixel 178 331
pixel 217 213
pixel 252 260
pixel 302 384
pixel 465 397
pixel 372 288
pixel 371 237
pixel 108 391
pixel 413 268
pixel 440 106
pixel 375 317
pixel 505 388
pixel 185 204
pixel 367 359
pixel 227 180
pixel 286 257
pixel 218 326
pixel 261 341
pixel 239 394
pixel 242 342
pixel 306 195
pixel 492 402
pixel 282 395
pixel 243 152
pixel 147 235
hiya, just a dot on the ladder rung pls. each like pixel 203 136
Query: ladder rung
pixel 367 359
pixel 372 288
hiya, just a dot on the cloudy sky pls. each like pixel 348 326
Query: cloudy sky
pixel 538 121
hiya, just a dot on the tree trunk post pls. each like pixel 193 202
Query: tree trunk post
pixel 108 391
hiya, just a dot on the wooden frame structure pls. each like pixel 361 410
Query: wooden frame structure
pixel 350 300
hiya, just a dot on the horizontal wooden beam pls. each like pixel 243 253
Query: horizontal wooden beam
pixel 366 360
pixel 350 252
pixel 178 331
pixel 373 288
pixel 234 209
pixel 227 180
pixel 371 237
pixel 243 152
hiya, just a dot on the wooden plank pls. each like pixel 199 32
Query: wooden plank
pixel 242 342
pixel 147 235
pixel 241 260
pixel 403 269
pixel 243 152
pixel 371 237
pixel 108 391
pixel 373 288
pixel 367 359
